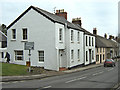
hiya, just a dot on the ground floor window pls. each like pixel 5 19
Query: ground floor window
pixel 41 56
pixel 103 57
pixel 18 54
pixel 86 56
pixel 78 54
pixel 92 54
pixel 97 57
pixel 2 54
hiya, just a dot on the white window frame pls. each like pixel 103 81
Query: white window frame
pixel 92 41
pixel 13 34
pixel 89 41
pixel 86 40
pixel 60 35
pixel 16 55
pixel 92 54
pixel 25 36
pixel 39 56
pixel 86 56
pixel 78 54
pixel 72 36
pixel 72 55
pixel 78 37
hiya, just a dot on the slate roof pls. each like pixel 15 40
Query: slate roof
pixel 53 18
pixel 105 43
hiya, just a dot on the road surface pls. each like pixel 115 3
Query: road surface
pixel 99 77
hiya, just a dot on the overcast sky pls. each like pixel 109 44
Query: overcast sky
pixel 102 14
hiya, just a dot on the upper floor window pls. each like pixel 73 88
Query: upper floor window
pixel 18 54
pixel 25 34
pixel 89 41
pixel 86 41
pixel 103 49
pixel 92 41
pixel 97 50
pixel 60 34
pixel 100 50
pixel 13 33
pixel 72 35
pixel 78 36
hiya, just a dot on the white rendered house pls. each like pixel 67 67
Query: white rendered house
pixel 57 42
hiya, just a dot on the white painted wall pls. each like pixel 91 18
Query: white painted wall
pixel 89 47
pixel 41 31
pixel 75 46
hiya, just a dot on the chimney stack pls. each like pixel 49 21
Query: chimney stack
pixel 111 37
pixel 105 36
pixel 77 21
pixel 61 13
pixel 95 31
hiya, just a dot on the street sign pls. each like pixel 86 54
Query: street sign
pixel 29 46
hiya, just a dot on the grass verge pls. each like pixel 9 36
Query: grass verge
pixel 12 69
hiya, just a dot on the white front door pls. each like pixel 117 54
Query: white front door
pixel 62 62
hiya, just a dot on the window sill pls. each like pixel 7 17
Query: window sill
pixel 78 59
pixel 13 39
pixel 24 41
pixel 60 41
pixel 18 60
pixel 41 62
pixel 72 61
pixel 78 42
pixel 72 42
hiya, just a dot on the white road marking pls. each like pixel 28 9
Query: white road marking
pixel 110 69
pixel 47 87
pixel 75 79
pixel 15 82
pixel 97 73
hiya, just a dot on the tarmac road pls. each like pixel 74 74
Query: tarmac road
pixel 99 77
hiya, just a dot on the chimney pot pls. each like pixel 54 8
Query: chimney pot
pixel 77 21
pixel 61 13
pixel 105 36
pixel 95 31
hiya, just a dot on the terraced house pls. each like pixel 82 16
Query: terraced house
pixel 105 48
pixel 58 43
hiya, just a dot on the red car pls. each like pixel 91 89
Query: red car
pixel 109 62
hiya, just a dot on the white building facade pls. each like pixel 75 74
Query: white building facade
pixel 57 42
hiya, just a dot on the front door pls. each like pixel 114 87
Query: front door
pixel 62 62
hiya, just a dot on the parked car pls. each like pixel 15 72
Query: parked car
pixel 109 62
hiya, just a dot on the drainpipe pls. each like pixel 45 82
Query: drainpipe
pixel 66 45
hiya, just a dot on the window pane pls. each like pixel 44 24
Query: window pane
pixel 41 55
pixel 60 34
pixel 18 55
pixel 24 34
pixel 13 33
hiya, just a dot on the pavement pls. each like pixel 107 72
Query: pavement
pixel 48 74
